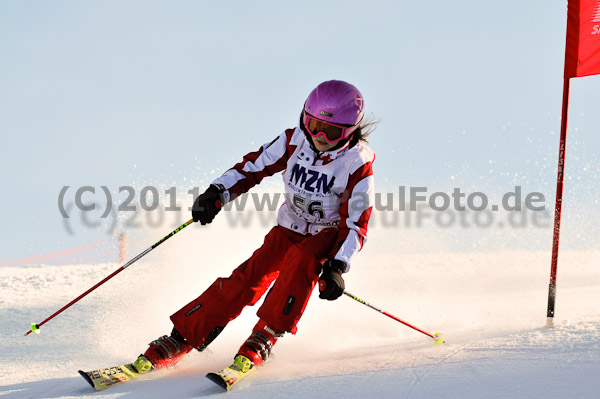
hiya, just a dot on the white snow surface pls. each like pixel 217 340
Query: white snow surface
pixel 489 306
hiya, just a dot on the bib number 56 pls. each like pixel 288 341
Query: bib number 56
pixel 314 208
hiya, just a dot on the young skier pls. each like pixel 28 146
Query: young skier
pixel 328 178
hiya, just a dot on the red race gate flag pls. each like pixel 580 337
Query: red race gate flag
pixel 582 54
pixel 582 58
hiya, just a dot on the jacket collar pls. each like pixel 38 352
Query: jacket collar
pixel 333 154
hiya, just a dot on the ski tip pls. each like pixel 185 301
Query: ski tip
pixel 86 377
pixel 217 379
pixel 438 339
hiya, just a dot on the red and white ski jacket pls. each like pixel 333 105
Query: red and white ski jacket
pixel 332 189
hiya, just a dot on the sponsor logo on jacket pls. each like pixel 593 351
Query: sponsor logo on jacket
pixel 311 180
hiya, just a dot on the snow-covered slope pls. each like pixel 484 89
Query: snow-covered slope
pixel 490 306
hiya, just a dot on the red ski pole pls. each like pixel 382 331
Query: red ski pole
pixel 436 337
pixel 36 327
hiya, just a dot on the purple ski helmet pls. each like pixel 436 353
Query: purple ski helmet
pixel 336 102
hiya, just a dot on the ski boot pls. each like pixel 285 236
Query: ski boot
pixel 257 347
pixel 163 352
pixel 254 352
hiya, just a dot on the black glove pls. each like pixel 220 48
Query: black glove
pixel 207 205
pixel 331 283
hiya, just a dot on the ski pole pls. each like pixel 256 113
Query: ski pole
pixel 36 327
pixel 436 337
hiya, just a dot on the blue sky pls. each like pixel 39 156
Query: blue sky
pixel 153 92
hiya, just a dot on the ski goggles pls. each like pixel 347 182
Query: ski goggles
pixel 332 132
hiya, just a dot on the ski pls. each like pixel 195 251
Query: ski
pixel 230 376
pixel 105 378
pixel 108 377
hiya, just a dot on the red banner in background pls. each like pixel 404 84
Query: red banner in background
pixel 94 252
pixel 582 54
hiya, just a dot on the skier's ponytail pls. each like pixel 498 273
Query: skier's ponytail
pixel 366 127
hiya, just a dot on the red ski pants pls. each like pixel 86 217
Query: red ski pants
pixel 293 260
